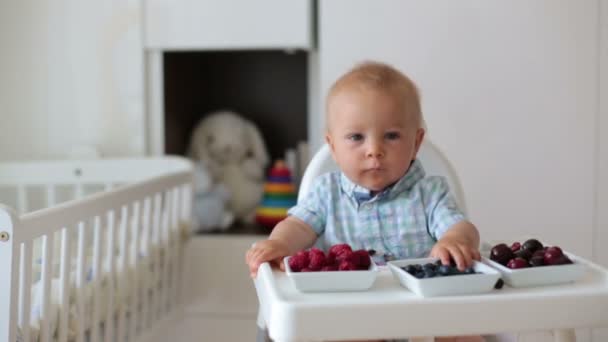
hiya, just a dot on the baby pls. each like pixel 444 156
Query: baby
pixel 380 199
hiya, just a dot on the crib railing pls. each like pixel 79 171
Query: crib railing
pixel 103 267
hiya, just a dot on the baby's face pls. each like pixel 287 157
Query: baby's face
pixel 372 140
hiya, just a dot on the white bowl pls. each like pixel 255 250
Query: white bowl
pixel 332 281
pixel 447 285
pixel 540 275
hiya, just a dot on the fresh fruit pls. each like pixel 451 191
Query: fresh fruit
pixel 363 259
pixel 347 266
pixel 299 261
pixel 524 254
pixel 536 261
pixel 532 245
pixel 531 253
pixel 518 262
pixel 329 268
pixel 431 270
pixel 501 253
pixel 515 246
pixel 317 259
pixel 340 248
pixel 340 257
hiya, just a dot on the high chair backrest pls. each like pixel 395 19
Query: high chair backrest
pixel 435 163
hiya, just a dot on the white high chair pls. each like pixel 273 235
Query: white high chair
pixel 434 163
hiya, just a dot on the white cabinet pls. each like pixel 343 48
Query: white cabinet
pixel 231 24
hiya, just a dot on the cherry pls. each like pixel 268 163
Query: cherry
pixel 553 255
pixel 524 254
pixel 517 263
pixel 539 253
pixel 532 245
pixel 515 246
pixel 537 260
pixel 501 253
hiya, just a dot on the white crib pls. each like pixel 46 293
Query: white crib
pixel 93 250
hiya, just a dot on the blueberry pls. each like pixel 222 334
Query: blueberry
pixel 429 273
pixel 438 262
pixel 429 266
pixel 420 275
pixel 444 270
pixel 411 269
pixel 469 270
pixel 499 284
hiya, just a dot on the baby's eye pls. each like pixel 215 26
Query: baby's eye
pixel 392 135
pixel 355 137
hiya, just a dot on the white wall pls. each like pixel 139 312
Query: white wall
pixel 601 237
pixel 509 92
pixel 71 75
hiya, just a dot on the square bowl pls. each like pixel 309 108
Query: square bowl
pixel 540 275
pixel 332 281
pixel 464 284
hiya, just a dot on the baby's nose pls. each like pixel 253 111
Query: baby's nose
pixel 375 151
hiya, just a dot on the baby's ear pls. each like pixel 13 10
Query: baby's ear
pixel 419 138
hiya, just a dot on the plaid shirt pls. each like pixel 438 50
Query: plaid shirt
pixel 403 221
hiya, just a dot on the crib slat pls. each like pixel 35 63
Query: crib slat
pixel 47 267
pixel 175 240
pixel 109 321
pixel 134 288
pixel 156 257
pixel 80 281
pixel 165 245
pixel 123 272
pixel 186 208
pixel 145 298
pixel 96 279
pixel 25 288
pixel 64 285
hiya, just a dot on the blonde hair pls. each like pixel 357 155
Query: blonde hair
pixel 384 78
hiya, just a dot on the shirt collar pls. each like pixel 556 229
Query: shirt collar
pixel 361 194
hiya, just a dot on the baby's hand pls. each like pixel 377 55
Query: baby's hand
pixel 262 251
pixel 460 250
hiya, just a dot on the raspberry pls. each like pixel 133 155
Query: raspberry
pixel 317 259
pixel 363 260
pixel 331 259
pixel 347 266
pixel 340 248
pixel 299 261
pixel 306 269
pixel 348 256
pixel 329 268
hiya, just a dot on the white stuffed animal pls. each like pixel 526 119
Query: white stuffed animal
pixel 210 202
pixel 234 152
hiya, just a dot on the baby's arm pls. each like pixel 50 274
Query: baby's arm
pixel 461 242
pixel 287 237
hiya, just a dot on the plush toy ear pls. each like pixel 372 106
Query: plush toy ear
pixel 257 145
pixel 197 149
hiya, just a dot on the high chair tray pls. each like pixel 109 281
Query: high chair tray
pixel 388 310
